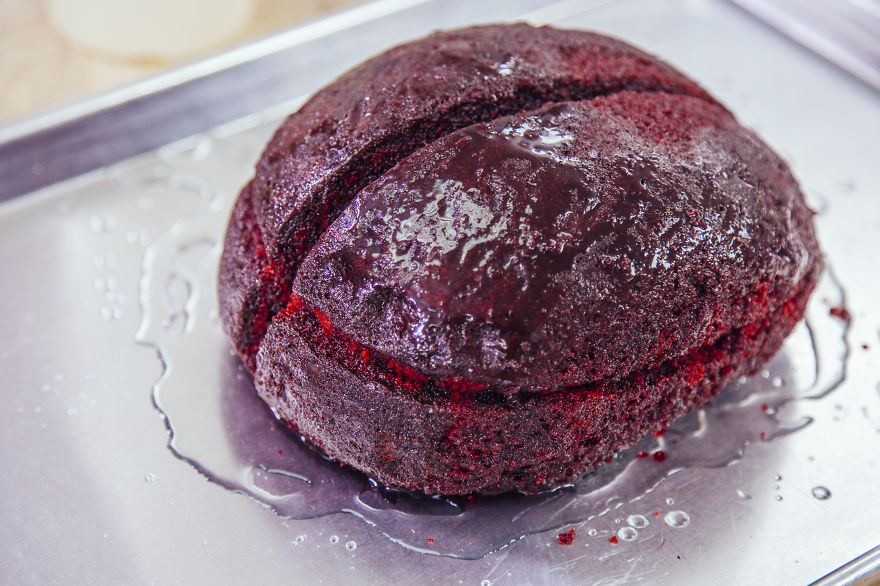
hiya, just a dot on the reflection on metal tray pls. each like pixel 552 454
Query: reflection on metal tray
pixel 108 295
pixel 846 32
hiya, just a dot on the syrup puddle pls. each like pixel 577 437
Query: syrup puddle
pixel 219 425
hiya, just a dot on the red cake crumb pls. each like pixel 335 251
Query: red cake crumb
pixel 840 312
pixel 566 538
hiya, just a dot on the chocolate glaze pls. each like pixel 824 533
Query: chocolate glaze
pixel 521 252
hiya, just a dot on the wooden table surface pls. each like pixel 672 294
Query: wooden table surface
pixel 40 67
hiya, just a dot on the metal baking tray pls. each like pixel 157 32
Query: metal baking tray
pixel 135 452
pixel 846 32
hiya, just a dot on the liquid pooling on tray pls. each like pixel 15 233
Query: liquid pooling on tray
pixel 220 426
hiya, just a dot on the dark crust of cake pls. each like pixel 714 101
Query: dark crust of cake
pixel 490 259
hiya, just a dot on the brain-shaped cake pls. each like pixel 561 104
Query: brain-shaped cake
pixel 490 259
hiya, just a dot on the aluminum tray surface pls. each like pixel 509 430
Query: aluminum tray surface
pixel 110 336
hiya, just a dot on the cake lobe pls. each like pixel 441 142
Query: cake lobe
pixel 554 248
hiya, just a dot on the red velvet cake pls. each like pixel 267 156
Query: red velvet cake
pixel 490 259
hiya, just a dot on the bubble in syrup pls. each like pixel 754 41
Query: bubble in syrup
pixel 777 381
pixel 677 519
pixel 637 521
pixel 821 493
pixel 351 545
pixel 202 149
pixel 149 477
pixel 100 224
pixel 670 501
pixel 299 539
pixel 334 539
pixel 486 583
pixel 627 533
pixel 846 183
pixel 592 533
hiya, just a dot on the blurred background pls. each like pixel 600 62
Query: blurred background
pixel 56 51
pixel 53 51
